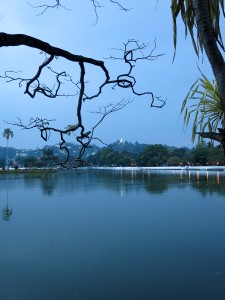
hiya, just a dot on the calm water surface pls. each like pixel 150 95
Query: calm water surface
pixel 113 235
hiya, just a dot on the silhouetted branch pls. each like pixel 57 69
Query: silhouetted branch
pixel 219 137
pixel 58 4
pixel 110 108
pixel 34 84
pixel 132 53
pixel 97 5
pixel 44 7
pixel 84 138
pixel 214 136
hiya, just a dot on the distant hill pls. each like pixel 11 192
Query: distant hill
pixel 74 149
pixel 119 153
pixel 119 146
pixel 124 146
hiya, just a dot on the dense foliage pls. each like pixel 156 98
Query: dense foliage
pixel 159 155
pixel 120 153
pixel 205 100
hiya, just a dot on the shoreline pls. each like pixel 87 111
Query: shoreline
pixel 26 171
pixel 185 168
pixel 179 168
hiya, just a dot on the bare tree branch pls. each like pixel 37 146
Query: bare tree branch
pixel 34 84
pixel 132 53
pixel 44 7
pixel 96 5
pixel 84 138
pixel 58 4
pixel 7 40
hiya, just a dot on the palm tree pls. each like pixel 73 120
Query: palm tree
pixel 201 19
pixel 7 133
pixel 7 212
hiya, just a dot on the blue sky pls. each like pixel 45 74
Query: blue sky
pixel 74 30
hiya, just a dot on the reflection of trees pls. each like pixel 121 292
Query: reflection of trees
pixel 7 212
pixel 47 181
pixel 204 182
pixel 120 181
pixel 157 181
pixel 209 185
pixel 31 179
pixel 156 184
pixel 124 181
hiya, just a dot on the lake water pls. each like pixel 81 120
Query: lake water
pixel 113 235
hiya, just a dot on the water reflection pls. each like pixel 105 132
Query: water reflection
pixel 73 238
pixel 47 181
pixel 6 211
pixel 218 177
pixel 154 182
pixel 124 181
pixel 158 182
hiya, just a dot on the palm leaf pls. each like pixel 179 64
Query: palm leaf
pixel 204 103
pixel 185 9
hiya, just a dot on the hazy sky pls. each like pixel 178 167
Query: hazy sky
pixel 74 30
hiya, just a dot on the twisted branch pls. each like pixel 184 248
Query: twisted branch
pixel 132 53
pixel 44 7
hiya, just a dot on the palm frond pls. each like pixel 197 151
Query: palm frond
pixel 184 9
pixel 204 103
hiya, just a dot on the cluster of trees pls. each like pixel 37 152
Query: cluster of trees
pixel 201 20
pixel 41 157
pixel 159 155
pixel 46 160
pixel 126 154
pixel 120 153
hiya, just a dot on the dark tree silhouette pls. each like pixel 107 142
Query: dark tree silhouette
pixel 131 53
pixel 7 212
pixel 42 8
pixel 202 20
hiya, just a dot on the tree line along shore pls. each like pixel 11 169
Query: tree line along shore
pixel 124 154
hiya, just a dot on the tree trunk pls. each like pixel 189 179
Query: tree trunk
pixel 7 154
pixel 219 137
pixel 209 41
